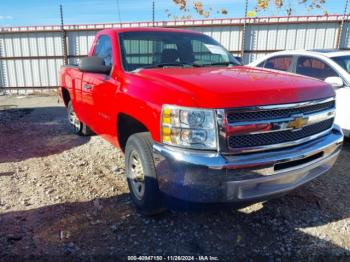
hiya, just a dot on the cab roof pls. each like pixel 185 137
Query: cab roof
pixel 148 29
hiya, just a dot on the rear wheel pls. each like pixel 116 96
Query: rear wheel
pixel 141 174
pixel 76 125
pixel 74 121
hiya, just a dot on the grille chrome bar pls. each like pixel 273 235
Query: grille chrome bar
pixel 284 124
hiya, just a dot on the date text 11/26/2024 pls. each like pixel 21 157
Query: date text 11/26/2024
pixel 173 258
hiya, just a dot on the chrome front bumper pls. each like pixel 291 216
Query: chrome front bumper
pixel 212 177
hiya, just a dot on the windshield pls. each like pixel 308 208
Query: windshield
pixel 167 49
pixel 343 61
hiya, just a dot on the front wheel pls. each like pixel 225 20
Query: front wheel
pixel 141 174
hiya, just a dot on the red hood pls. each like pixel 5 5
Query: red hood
pixel 217 87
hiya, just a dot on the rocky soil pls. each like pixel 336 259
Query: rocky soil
pixel 65 197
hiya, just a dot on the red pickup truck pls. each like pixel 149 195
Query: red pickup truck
pixel 196 125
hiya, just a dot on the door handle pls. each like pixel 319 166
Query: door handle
pixel 87 86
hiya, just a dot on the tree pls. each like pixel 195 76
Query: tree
pixel 288 5
pixel 261 5
pixel 197 6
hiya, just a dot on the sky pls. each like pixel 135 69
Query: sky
pixel 46 12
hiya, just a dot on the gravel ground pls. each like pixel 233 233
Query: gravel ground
pixel 65 196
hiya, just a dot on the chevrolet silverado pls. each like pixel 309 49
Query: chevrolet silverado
pixel 194 124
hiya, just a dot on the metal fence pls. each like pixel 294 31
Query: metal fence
pixel 30 57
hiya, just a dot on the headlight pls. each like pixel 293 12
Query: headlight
pixel 188 127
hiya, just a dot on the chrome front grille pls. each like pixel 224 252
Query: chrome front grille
pixel 281 125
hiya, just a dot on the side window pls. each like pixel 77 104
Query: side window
pixel 281 63
pixel 314 67
pixel 103 49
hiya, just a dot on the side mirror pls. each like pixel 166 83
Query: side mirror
pixel 94 64
pixel 335 82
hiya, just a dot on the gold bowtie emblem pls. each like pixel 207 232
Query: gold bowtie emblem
pixel 298 123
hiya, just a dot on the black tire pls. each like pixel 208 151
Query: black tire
pixel 86 131
pixel 78 128
pixel 149 200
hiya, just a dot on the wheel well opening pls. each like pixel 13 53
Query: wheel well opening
pixel 66 96
pixel 128 126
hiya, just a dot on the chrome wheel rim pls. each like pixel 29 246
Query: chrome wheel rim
pixel 136 175
pixel 73 120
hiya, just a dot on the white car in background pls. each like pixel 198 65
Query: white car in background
pixel 331 66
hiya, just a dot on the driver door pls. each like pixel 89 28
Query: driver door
pixel 100 90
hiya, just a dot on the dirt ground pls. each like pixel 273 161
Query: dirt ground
pixel 63 196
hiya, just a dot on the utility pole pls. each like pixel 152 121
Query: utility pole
pixel 153 13
pixel 244 29
pixel 341 28
pixel 64 38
